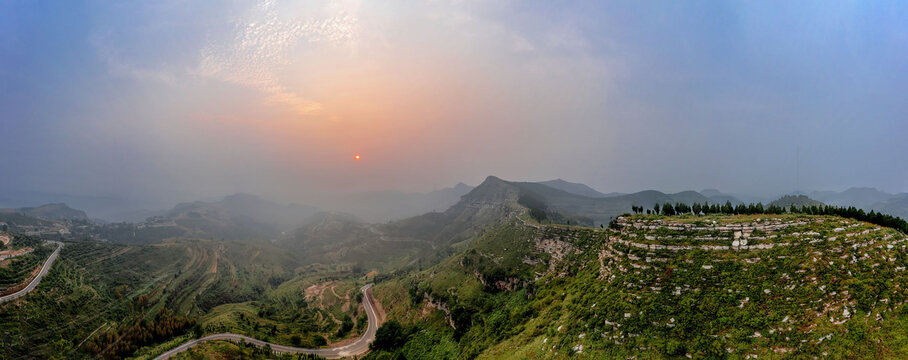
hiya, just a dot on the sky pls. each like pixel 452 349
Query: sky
pixel 173 100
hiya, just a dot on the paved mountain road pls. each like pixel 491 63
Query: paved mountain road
pixel 34 283
pixel 358 347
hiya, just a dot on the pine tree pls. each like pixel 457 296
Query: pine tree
pixel 727 208
pixel 668 209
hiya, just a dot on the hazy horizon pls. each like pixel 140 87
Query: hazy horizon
pixel 170 101
pixel 115 208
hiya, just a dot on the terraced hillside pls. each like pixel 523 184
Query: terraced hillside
pixel 112 301
pixel 746 286
pixel 20 260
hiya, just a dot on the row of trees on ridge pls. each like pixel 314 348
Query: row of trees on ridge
pixel 852 212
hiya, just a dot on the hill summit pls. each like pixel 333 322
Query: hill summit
pixel 653 286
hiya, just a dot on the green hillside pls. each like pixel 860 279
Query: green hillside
pixel 112 301
pixel 770 286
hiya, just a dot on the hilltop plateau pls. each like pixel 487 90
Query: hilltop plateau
pixel 654 286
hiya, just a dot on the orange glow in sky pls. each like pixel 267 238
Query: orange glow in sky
pixel 355 157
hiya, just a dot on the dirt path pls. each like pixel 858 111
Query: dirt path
pixel 334 291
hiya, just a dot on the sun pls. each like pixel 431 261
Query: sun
pixel 356 157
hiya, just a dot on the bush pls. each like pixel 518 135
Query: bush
pixel 391 335
pixel 537 214
pixel 319 340
pixel 675 348
pixel 346 326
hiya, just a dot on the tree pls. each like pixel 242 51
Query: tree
pixel 390 335
pixel 696 208
pixel 668 209
pixel 346 326
pixel 462 319
pixel 682 208
pixel 656 209
pixel 727 208
pixel 319 340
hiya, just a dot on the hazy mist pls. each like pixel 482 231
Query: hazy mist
pixel 149 105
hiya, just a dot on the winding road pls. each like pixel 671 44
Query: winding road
pixel 34 283
pixel 358 347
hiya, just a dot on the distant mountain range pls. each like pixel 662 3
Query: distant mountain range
pixel 244 216
pixel 576 188
pixel 585 205
pixel 860 197
pixel 58 211
pixel 796 200
pixel 235 217
pixel 582 209
pixel 896 205
pixel 99 208
pixel 713 196
pixel 867 199
pixel 242 208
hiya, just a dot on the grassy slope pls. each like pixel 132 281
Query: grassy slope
pixel 638 312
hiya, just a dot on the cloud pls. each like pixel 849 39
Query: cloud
pixel 117 66
pixel 261 46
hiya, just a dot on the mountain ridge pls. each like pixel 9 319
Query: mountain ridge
pixel 51 211
pixel 574 188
